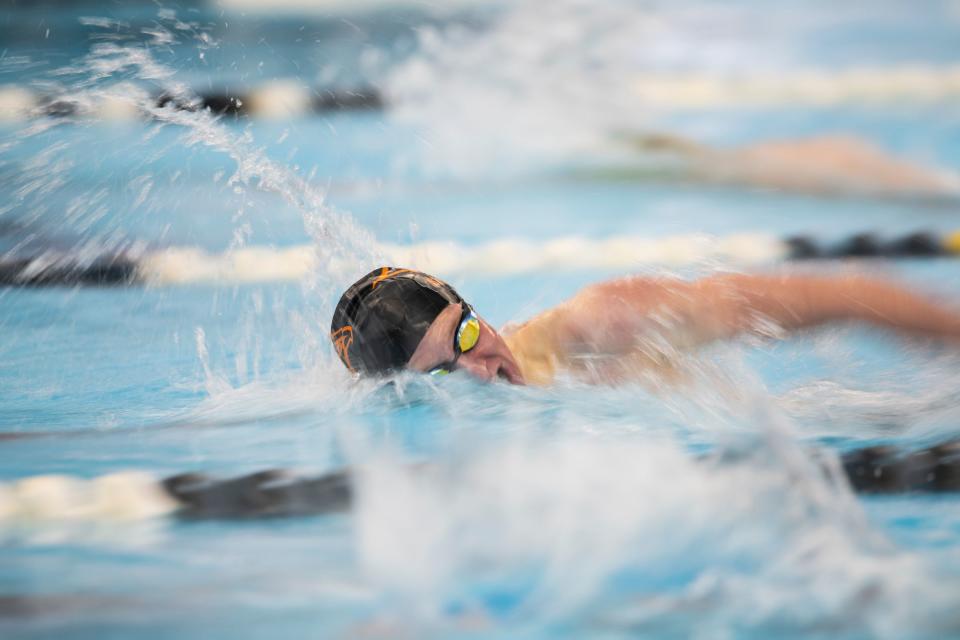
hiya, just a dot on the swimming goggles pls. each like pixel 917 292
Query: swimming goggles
pixel 466 338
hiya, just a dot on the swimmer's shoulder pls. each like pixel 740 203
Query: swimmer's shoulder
pixel 564 322
pixel 536 346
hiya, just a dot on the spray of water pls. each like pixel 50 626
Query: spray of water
pixel 543 85
pixel 576 83
pixel 555 532
pixel 571 505
pixel 340 244
pixel 122 75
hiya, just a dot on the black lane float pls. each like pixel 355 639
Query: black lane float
pixel 286 98
pixel 280 493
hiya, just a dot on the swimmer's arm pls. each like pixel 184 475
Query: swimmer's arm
pixel 611 317
pixel 730 304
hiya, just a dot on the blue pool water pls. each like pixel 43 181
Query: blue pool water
pixel 565 512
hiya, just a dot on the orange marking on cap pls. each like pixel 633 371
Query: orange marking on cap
pixel 386 273
pixel 342 339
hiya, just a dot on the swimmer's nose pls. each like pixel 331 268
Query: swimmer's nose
pixel 487 360
pixel 478 369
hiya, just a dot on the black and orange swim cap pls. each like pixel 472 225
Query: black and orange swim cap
pixel 381 319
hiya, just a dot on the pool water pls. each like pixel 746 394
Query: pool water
pixel 571 511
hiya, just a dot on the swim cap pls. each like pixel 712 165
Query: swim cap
pixel 381 319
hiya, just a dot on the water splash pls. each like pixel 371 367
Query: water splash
pixel 554 532
pixel 572 82
pixel 544 84
pixel 571 515
pixel 122 74
pixel 340 244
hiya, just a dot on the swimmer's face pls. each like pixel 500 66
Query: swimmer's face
pixel 488 360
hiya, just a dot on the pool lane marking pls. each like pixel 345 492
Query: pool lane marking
pixel 501 257
pixel 283 493
pixel 291 97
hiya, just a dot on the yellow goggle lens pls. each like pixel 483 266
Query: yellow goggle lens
pixel 469 334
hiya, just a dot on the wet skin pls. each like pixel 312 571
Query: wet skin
pixel 639 323
pixel 489 360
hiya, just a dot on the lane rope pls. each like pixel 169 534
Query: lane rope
pixel 813 88
pixel 503 257
pixel 279 493
pixel 275 99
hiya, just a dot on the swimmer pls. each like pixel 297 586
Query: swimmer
pixel 394 319
pixel 824 165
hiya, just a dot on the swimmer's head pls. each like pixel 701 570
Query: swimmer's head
pixel 392 319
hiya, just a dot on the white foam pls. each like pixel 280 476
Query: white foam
pixel 502 257
pixel 577 512
pixel 558 82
